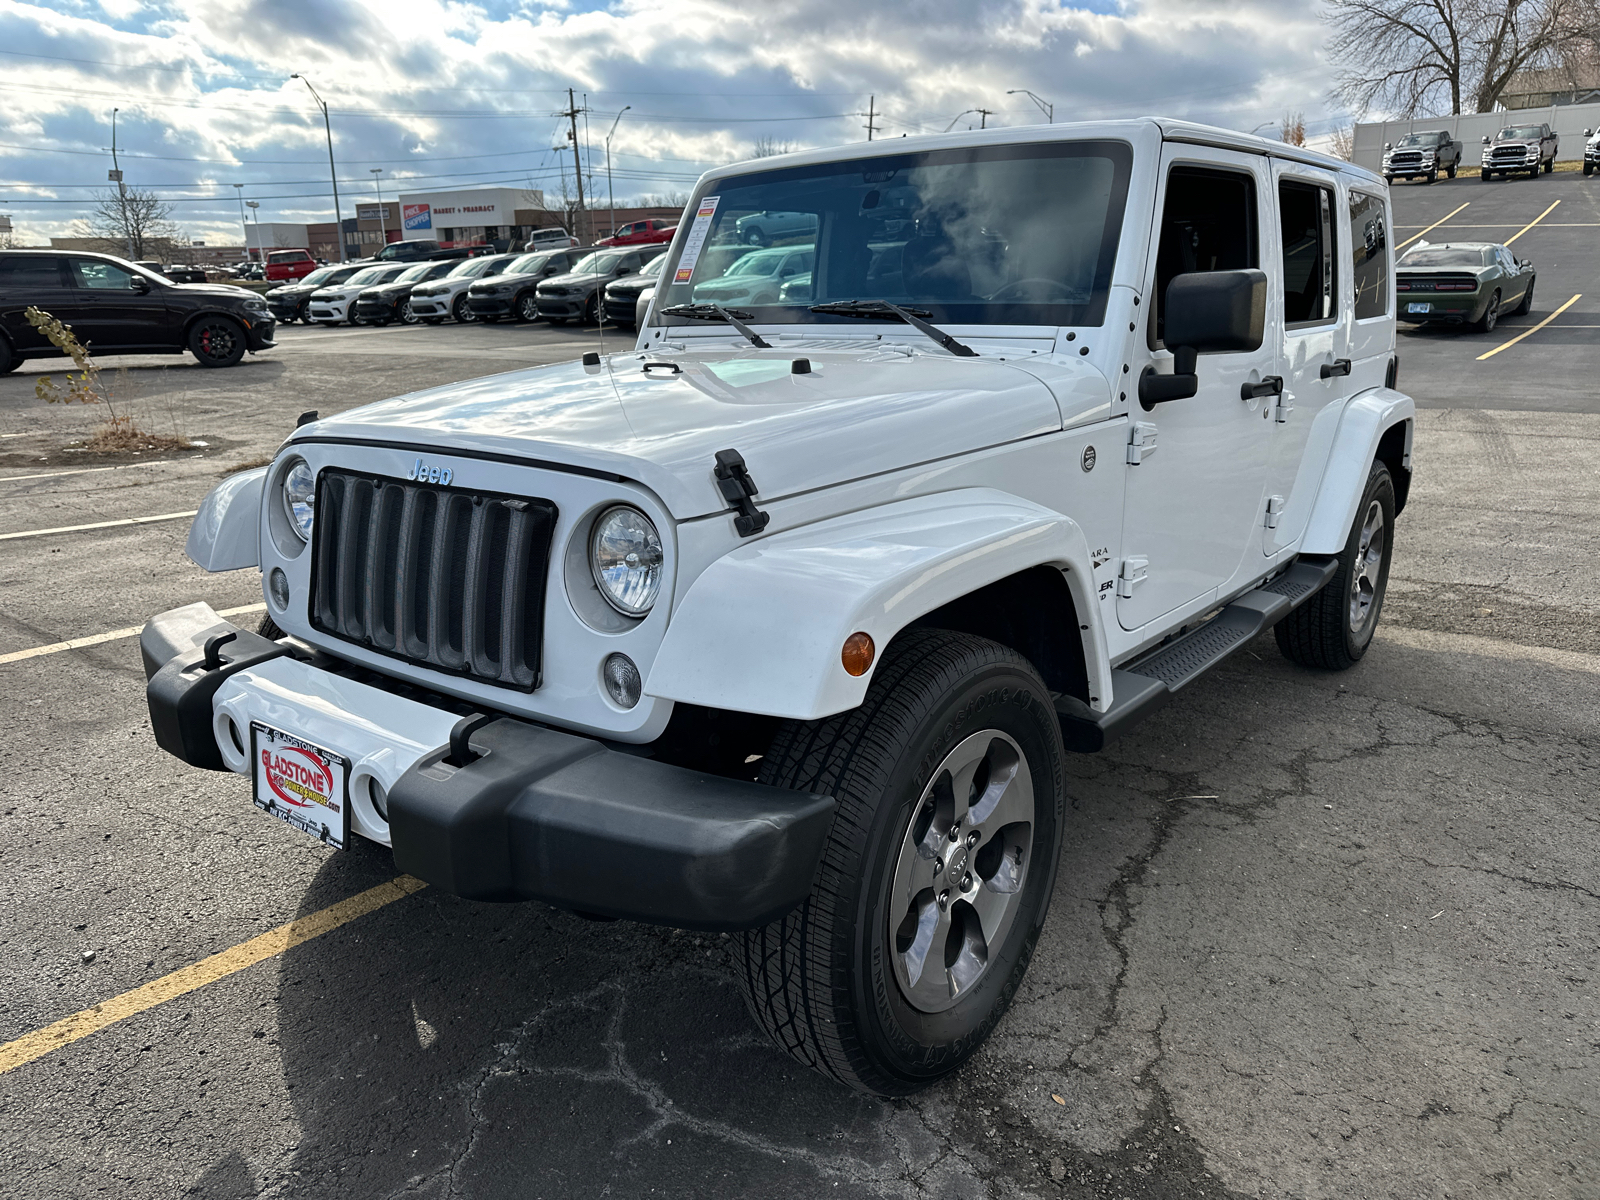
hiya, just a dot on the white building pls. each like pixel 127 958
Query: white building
pixel 473 215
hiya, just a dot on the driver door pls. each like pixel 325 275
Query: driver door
pixel 1197 467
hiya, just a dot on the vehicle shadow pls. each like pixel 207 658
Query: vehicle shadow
pixel 444 1047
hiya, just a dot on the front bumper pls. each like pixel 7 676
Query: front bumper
pixel 258 333
pixel 563 306
pixel 328 310
pixel 622 311
pixel 489 306
pixel 430 306
pixel 509 811
pixel 373 310
pixel 285 310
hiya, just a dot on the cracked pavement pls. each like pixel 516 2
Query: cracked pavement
pixel 1313 936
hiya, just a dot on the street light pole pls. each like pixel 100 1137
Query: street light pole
pixel 333 174
pixel 383 230
pixel 122 191
pixel 1048 109
pixel 609 188
pixel 261 247
pixel 243 221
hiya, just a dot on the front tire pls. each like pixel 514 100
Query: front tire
pixel 937 873
pixel 1333 629
pixel 527 307
pixel 1485 175
pixel 217 341
pixel 1431 177
pixel 406 315
pixel 1526 306
pixel 462 311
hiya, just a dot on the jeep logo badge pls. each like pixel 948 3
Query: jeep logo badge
pixel 422 473
pixel 1088 458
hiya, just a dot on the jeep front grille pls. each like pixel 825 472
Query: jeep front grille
pixel 445 578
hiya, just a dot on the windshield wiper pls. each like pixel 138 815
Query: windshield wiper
pixel 911 316
pixel 715 312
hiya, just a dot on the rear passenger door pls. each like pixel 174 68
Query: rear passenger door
pixel 29 280
pixel 1313 348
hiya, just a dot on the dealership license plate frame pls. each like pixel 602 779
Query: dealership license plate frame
pixel 276 803
pixel 1419 306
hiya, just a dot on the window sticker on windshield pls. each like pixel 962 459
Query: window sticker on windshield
pixel 697 239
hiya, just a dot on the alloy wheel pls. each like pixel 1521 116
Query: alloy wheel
pixel 217 340
pixel 1367 567
pixel 407 316
pixel 960 871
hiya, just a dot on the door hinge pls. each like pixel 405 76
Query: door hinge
pixel 1284 406
pixel 1133 572
pixel 1274 511
pixel 1141 442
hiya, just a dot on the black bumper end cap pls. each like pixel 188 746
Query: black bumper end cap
pixel 539 814
pixel 180 690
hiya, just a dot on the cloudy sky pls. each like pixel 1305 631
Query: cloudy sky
pixel 440 93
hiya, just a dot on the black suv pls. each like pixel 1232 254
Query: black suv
pixel 289 301
pixel 512 292
pixel 116 307
pixel 418 250
pixel 392 301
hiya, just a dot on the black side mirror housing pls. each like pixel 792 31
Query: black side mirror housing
pixel 1207 312
pixel 139 284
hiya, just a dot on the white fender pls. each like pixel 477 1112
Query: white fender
pixel 761 629
pixel 226 531
pixel 1361 427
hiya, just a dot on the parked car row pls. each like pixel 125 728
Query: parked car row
pixel 1515 150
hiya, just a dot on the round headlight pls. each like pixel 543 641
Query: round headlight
pixel 300 498
pixel 625 556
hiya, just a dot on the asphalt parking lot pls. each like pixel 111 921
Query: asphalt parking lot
pixel 1314 936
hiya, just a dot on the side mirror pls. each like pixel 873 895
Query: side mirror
pixel 1388 145
pixel 1588 133
pixel 139 284
pixel 1207 312
pixel 1485 139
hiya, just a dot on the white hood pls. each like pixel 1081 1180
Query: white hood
pixel 855 414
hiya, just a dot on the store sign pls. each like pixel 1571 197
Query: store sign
pixel 417 216
pixel 372 212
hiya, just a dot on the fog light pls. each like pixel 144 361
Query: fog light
pixel 622 680
pixel 278 585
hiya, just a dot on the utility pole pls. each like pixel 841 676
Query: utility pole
pixel 872 105
pixel 383 230
pixel 122 191
pixel 239 194
pixel 577 162
pixel 333 174
pixel 611 191
pixel 983 117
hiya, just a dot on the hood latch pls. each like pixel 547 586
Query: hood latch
pixel 737 488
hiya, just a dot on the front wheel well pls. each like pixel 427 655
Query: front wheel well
pixel 1392 454
pixel 1033 613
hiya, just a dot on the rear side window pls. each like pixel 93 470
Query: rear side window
pixel 1208 223
pixel 1310 289
pixel 29 272
pixel 1369 255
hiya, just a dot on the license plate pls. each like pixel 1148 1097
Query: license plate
pixel 301 784
pixel 1420 306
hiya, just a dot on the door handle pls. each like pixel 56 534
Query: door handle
pixel 1270 385
pixel 1339 366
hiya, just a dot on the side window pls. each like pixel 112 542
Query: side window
pixel 1310 294
pixel 99 276
pixel 26 271
pixel 1369 255
pixel 1209 223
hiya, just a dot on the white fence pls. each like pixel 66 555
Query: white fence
pixel 1568 120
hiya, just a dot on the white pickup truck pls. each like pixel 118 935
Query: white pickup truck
pixel 783 622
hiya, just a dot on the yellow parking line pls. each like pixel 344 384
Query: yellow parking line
pixel 208 970
pixel 1432 227
pixel 27 533
pixel 96 639
pixel 1531 224
pixel 1532 328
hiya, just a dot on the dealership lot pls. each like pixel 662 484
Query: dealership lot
pixel 1313 936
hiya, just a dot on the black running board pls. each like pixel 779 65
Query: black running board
pixel 1142 686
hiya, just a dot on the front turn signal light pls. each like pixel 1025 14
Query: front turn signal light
pixel 857 653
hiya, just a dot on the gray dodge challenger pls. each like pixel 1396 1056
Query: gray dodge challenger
pixel 1462 283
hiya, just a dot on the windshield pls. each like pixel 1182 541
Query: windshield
pixel 1521 131
pixel 412 274
pixel 596 264
pixel 1419 139
pixel 320 275
pixel 1446 256
pixel 470 269
pixel 653 267
pixel 990 235
pixel 527 264
pixel 366 275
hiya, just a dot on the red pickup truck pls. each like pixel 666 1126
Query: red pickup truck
pixel 642 233
pixel 289 264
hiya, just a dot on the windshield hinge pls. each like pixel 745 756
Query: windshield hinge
pixel 738 489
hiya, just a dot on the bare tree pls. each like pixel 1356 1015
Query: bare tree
pixel 662 200
pixel 766 147
pixel 1342 143
pixel 129 224
pixel 1292 129
pixel 1423 57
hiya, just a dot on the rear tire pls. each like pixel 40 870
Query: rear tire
pixel 1550 166
pixel 1491 315
pixel 1333 629
pixel 1451 171
pixel 953 728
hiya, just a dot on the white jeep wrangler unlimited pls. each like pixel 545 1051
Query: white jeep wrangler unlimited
pixel 782 622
